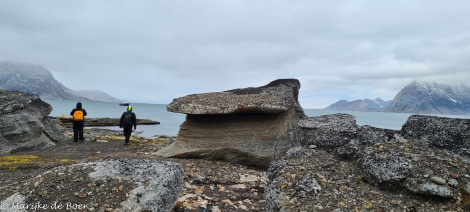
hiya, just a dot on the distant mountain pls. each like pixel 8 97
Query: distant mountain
pixel 94 95
pixel 366 105
pixel 39 81
pixel 432 98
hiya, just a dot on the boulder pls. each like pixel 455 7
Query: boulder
pixel 251 126
pixel 156 185
pixel 315 175
pixel 159 182
pixel 419 186
pixel 384 167
pixel 24 123
pixel 328 131
pixel 439 132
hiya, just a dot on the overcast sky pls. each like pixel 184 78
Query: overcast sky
pixel 153 51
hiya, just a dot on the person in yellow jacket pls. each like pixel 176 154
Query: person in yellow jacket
pixel 78 122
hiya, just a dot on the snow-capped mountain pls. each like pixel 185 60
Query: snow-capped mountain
pixel 432 98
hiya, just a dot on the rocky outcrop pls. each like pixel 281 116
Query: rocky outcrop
pixel 24 123
pixel 447 133
pixel 427 158
pixel 159 183
pixel 154 186
pixel 251 126
pixel 328 131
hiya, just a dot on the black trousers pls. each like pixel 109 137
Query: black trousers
pixel 127 134
pixel 78 130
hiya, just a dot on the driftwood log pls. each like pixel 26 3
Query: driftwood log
pixel 99 122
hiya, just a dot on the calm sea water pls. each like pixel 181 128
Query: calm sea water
pixel 170 122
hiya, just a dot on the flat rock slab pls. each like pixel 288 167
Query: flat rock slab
pixel 278 96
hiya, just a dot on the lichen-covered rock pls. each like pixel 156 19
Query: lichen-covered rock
pixel 384 167
pixel 385 170
pixel 139 185
pixel 275 97
pixel 251 126
pixel 448 133
pixel 159 182
pixel 22 122
pixel 328 131
pixel 421 187
pixel 368 135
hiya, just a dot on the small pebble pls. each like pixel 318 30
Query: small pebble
pixel 438 180
pixel 453 182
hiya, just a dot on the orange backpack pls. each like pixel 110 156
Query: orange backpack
pixel 78 115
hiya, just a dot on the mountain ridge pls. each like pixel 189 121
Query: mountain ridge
pixel 431 98
pixel 37 80
pixel 417 97
pixel 366 105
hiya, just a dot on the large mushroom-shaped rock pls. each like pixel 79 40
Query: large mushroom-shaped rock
pixel 251 126
pixel 24 123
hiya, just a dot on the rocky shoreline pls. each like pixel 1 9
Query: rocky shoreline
pixel 247 149
pixel 306 179
pixel 60 175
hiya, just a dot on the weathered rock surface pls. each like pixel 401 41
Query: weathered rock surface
pixel 338 159
pixel 445 133
pixel 159 183
pixel 24 123
pixel 151 185
pixel 251 126
pixel 276 97
pixel 384 167
pixel 328 131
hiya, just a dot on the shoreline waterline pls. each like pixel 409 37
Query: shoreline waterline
pixel 170 122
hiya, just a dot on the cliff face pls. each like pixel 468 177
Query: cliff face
pixel 24 123
pixel 431 98
pixel 33 80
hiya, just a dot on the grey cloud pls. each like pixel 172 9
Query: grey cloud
pixel 342 49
